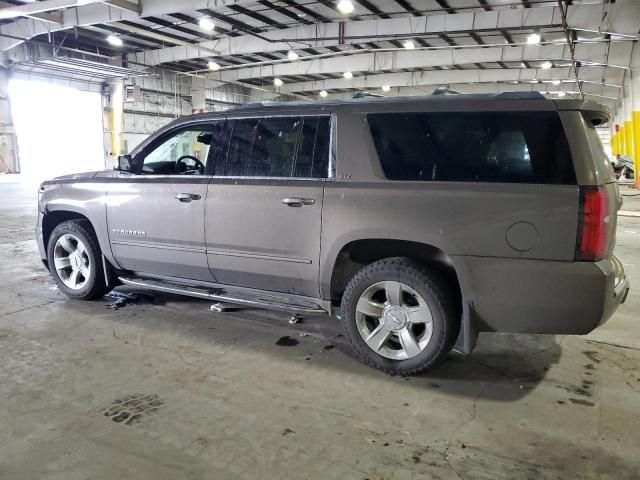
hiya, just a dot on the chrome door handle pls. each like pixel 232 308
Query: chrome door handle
pixel 297 202
pixel 187 197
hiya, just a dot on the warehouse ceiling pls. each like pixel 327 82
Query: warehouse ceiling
pixel 320 48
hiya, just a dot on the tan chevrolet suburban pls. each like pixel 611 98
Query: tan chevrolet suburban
pixel 421 221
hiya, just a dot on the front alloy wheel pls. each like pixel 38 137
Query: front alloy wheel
pixel 74 259
pixel 72 262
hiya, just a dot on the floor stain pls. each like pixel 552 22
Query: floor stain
pixel 579 401
pixel 130 409
pixel 592 355
pixel 287 341
pixel 583 391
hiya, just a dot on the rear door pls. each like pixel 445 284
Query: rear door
pixel 264 204
pixel 156 217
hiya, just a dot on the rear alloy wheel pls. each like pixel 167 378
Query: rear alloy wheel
pixel 400 316
pixel 75 260
pixel 394 320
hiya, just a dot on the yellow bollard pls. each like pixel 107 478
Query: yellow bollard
pixel 635 155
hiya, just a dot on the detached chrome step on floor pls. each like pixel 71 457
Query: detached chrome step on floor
pixel 242 297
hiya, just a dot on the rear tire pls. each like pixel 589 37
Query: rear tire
pixel 75 260
pixel 400 316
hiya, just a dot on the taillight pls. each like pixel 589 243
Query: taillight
pixel 593 224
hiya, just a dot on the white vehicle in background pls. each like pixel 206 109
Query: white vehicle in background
pixel 624 167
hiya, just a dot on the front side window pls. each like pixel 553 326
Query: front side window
pixel 184 153
pixel 500 147
pixel 277 147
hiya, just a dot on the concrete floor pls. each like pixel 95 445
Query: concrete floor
pixel 213 396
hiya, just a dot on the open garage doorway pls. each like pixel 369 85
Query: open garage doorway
pixel 59 129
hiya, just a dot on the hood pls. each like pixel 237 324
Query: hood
pixel 78 177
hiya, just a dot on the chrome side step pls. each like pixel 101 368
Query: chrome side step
pixel 255 299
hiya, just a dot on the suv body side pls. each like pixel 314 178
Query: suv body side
pixel 360 215
pixel 541 290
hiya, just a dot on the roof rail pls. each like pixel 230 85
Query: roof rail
pixel 251 105
pixel 519 96
pixel 363 94
pixel 444 91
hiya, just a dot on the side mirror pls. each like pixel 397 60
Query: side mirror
pixel 126 163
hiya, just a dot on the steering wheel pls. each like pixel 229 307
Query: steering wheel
pixel 183 169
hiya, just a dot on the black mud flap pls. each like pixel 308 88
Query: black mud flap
pixel 468 336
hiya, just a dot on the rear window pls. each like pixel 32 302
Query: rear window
pixel 502 147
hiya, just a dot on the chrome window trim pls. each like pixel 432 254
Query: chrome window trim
pixel 214 177
pixel 331 165
pixel 239 177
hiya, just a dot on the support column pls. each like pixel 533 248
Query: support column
pixel 115 117
pixel 198 95
pixel 634 73
pixel 615 137
pixel 8 140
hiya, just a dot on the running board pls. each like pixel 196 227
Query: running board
pixel 255 299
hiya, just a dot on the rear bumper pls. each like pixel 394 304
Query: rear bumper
pixel 613 269
pixel 535 296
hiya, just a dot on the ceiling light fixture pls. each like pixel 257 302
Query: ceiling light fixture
pixel 347 75
pixel 278 82
pixel 546 65
pixel 408 44
pixel 534 39
pixel 323 93
pixel 556 82
pixel 560 94
pixel 115 41
pixel 206 24
pixel 386 88
pixel 292 55
pixel 345 7
pixel 214 66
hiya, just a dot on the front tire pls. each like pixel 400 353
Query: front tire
pixel 399 316
pixel 75 261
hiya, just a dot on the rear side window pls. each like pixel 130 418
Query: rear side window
pixel 473 147
pixel 285 147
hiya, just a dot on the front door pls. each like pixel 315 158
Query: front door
pixel 156 217
pixel 264 204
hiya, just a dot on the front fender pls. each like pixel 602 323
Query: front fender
pixel 85 199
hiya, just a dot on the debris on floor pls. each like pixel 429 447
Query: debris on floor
pixel 295 318
pixel 121 299
pixel 222 308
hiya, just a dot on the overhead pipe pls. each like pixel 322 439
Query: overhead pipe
pixel 396 49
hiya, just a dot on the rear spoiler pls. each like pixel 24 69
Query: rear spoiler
pixel 593 112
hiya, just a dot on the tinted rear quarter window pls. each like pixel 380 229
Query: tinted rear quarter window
pixel 501 147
